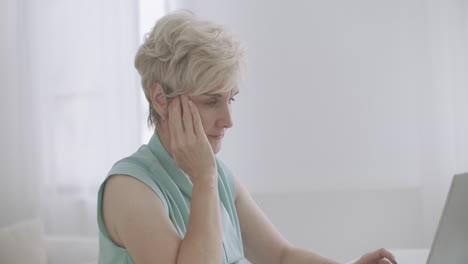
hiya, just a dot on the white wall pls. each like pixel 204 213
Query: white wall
pixel 349 95
pixel 444 148
pixel 332 97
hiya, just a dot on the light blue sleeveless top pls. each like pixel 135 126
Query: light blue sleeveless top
pixel 152 165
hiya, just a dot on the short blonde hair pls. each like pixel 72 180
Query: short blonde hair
pixel 183 53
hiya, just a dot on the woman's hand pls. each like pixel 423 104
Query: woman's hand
pixel 381 256
pixel 189 145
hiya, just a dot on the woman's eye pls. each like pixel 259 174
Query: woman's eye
pixel 214 103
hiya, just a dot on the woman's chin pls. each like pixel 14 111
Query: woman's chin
pixel 215 146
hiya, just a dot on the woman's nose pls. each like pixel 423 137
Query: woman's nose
pixel 225 119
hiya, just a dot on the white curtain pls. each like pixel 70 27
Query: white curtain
pixel 91 97
pixel 149 12
pixel 18 119
pixel 76 95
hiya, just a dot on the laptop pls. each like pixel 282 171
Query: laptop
pixel 450 244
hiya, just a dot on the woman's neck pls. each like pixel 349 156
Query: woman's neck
pixel 165 138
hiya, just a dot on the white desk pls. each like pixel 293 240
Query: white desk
pixel 410 256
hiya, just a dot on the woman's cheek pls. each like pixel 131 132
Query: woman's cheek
pixel 203 116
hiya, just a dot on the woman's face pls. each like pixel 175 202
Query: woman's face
pixel 215 114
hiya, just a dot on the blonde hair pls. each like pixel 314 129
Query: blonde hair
pixel 183 53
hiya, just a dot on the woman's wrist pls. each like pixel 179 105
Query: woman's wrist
pixel 208 180
pixel 206 184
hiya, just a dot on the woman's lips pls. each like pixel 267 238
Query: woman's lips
pixel 217 137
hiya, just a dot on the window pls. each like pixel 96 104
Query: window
pixel 150 12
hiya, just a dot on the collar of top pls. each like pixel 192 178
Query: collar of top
pixel 177 175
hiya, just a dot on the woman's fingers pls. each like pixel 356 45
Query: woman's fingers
pixel 191 150
pixel 175 119
pixel 386 254
pixel 197 123
pixel 384 261
pixel 187 116
pixel 379 256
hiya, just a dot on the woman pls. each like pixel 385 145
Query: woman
pixel 173 201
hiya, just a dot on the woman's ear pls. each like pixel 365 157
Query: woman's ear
pixel 158 100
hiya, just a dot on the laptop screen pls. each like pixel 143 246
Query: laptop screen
pixel 450 243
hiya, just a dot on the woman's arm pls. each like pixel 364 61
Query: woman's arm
pixel 262 241
pixel 264 244
pixel 204 238
pixel 137 220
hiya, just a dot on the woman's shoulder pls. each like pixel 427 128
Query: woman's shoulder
pixel 136 170
pixel 142 164
pixel 121 194
pixel 143 158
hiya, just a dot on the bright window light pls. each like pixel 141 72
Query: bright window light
pixel 149 12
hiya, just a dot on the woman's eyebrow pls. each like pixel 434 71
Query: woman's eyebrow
pixel 213 95
pixel 217 95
